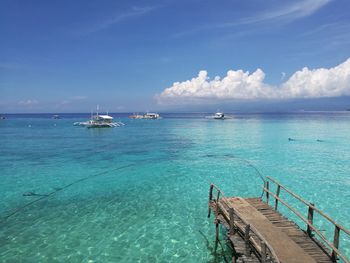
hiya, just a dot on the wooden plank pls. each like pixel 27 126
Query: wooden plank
pixel 285 248
pixel 312 246
pixel 316 249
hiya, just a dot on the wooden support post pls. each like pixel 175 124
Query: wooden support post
pixel 335 242
pixel 267 192
pixel 277 194
pixel 246 240
pixel 210 198
pixel 263 252
pixel 217 233
pixel 232 224
pixel 310 219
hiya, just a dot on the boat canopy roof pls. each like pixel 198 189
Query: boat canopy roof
pixel 106 117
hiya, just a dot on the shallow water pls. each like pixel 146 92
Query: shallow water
pixel 139 193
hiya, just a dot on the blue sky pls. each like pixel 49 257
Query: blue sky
pixel 68 56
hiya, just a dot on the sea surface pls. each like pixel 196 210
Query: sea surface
pixel 139 193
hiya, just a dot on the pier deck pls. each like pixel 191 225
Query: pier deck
pixel 257 232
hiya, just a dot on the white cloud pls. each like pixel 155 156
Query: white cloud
pixel 134 12
pixel 28 102
pixel 287 11
pixel 293 10
pixel 240 85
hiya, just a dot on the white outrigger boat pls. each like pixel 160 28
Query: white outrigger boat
pixel 100 121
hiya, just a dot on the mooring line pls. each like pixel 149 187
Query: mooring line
pixel 43 196
pixel 47 195
pixel 248 163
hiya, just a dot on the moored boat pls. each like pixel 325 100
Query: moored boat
pixel 100 121
pixel 136 116
pixel 151 116
pixel 217 116
pixel 148 115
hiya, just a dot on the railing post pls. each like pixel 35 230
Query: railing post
pixel 217 197
pixel 335 242
pixel 277 194
pixel 232 224
pixel 210 198
pixel 263 252
pixel 310 219
pixel 246 240
pixel 267 192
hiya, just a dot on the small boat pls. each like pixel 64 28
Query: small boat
pixel 56 116
pixel 136 116
pixel 100 121
pixel 217 116
pixel 149 116
pixel 2 117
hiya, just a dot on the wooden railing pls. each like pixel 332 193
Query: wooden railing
pixel 310 228
pixel 263 248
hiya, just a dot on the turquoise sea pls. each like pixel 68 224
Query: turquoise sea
pixel 139 193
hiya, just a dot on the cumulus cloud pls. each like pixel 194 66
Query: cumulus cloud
pixel 242 85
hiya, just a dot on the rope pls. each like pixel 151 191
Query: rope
pixel 44 196
pixel 250 165
pixel 256 169
pixel 47 195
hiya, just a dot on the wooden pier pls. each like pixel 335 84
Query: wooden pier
pixel 258 232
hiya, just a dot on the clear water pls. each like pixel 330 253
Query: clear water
pixel 144 187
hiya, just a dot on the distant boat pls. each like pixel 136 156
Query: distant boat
pixel 149 116
pixel 2 117
pixel 217 116
pixel 56 116
pixel 100 121
pixel 136 116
